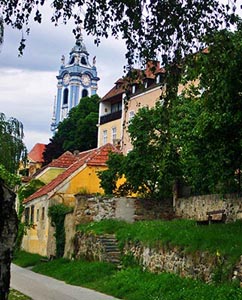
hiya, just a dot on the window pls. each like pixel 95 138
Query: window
pixel 131 115
pixel 84 93
pixel 26 215
pixel 114 134
pixel 83 61
pixel 105 137
pixel 116 107
pixel 158 78
pixel 65 96
pixel 133 89
pixel 32 214
pixel 43 213
pixel 37 215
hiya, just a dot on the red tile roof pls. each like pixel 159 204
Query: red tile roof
pixel 63 161
pixel 136 77
pixel 36 154
pixel 94 157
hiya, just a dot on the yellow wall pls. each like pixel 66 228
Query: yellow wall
pixel 39 238
pixel 146 99
pixel 50 174
pixel 35 240
pixel 108 126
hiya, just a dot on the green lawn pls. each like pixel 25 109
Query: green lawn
pixel 15 295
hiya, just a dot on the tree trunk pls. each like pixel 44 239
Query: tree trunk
pixel 8 234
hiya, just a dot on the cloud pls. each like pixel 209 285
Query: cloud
pixel 28 83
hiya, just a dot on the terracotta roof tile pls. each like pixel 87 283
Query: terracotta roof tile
pixel 95 157
pixel 63 161
pixel 36 153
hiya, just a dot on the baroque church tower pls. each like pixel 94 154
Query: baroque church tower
pixel 77 79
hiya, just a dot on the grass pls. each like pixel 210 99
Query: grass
pixel 133 283
pixel 16 295
pixel 25 259
pixel 224 239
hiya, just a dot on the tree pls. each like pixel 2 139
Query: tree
pixel 77 132
pixel 12 148
pixel 208 116
pixel 171 28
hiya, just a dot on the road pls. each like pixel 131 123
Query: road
pixel 40 287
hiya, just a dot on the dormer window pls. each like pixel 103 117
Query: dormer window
pixel 158 79
pixel 133 89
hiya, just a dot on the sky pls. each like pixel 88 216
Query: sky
pixel 28 84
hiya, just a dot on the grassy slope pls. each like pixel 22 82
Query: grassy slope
pixel 224 239
pixel 134 284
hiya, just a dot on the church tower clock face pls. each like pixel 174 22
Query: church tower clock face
pixel 66 79
pixel 85 79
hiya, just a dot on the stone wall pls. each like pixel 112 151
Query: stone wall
pixel 90 209
pixel 198 265
pixel 196 207
pixel 174 260
pixel 89 247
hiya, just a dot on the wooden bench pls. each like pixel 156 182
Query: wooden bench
pixel 216 216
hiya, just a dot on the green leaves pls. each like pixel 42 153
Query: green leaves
pixel 77 132
pixel 166 30
pixel 12 148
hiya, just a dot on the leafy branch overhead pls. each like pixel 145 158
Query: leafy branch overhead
pixel 166 27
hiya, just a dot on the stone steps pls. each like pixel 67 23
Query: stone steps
pixel 112 253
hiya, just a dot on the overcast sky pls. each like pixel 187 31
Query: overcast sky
pixel 28 83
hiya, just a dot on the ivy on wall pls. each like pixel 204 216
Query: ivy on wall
pixel 57 214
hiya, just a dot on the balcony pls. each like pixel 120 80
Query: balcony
pixel 111 117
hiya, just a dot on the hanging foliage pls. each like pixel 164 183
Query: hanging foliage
pixel 57 214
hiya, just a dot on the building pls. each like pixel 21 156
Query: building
pixel 78 174
pixel 122 102
pixel 34 162
pixel 77 79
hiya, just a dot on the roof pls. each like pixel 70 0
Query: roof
pixel 36 154
pixel 94 157
pixel 63 161
pixel 118 89
pixel 136 77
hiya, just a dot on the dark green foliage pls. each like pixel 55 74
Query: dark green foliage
pixel 10 179
pixel 207 117
pixel 110 176
pixel 76 132
pixel 26 190
pixel 57 214
pixel 12 148
pixel 163 28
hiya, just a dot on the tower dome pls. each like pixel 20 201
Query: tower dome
pixel 76 79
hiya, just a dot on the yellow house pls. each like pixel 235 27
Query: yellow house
pixel 34 161
pixel 56 167
pixel 116 111
pixel 81 176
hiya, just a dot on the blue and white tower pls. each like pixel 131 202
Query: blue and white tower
pixel 77 79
